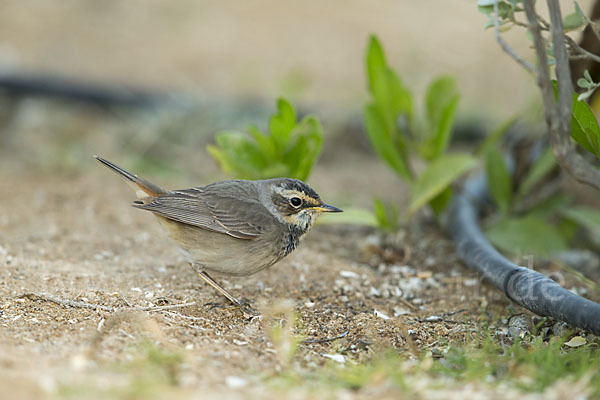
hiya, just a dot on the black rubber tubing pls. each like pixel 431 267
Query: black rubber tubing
pixel 524 286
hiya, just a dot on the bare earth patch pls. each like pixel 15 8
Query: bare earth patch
pixel 343 296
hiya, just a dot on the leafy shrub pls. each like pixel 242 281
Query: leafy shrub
pixel 549 223
pixel 396 133
pixel 543 227
pixel 290 149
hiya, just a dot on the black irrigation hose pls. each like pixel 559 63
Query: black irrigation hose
pixel 99 94
pixel 524 286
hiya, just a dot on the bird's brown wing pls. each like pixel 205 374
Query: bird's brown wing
pixel 214 210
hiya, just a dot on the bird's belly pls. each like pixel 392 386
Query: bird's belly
pixel 221 253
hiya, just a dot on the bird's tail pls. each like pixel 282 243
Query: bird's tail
pixel 142 187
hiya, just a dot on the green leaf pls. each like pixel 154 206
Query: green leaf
pixel 290 150
pixel 526 235
pixel 498 178
pixel 579 11
pixel 264 142
pixel 550 206
pixel 391 99
pixel 390 96
pixel 589 218
pixel 437 177
pixel 441 103
pixel 379 211
pixel 489 23
pixel 273 170
pixel 352 216
pixel 438 203
pixel 573 21
pixel 239 155
pixel 584 83
pixel 301 157
pixel 282 123
pixel 375 60
pixel 487 10
pixel 387 215
pixel 538 171
pixel 383 144
pixel 584 127
pixel 567 229
pixel 505 10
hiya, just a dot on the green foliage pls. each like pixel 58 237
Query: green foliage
pixel 526 235
pixel 290 149
pixel 390 100
pixel 386 215
pixel 531 233
pixel 528 365
pixel 350 216
pixel 396 134
pixel 383 143
pixel 506 11
pixel 575 20
pixel 546 227
pixel 437 177
pixel 586 82
pixel 532 366
pixel 498 177
pixel 589 218
pixel 441 104
pixel 584 126
pixel 538 171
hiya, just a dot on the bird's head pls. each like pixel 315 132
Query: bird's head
pixel 297 203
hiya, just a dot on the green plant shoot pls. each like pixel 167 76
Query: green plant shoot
pixel 289 150
pixel 396 135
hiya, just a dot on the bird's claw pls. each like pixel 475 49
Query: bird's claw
pixel 242 304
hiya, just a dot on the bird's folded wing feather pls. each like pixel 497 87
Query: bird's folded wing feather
pixel 213 212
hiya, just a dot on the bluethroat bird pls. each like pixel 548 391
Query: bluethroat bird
pixel 233 227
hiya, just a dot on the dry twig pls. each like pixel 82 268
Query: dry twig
pixel 506 47
pixel 91 306
pixel 325 340
pixel 583 53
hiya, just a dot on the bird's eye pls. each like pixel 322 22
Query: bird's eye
pixel 296 202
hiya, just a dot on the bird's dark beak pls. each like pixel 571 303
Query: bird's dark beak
pixel 327 208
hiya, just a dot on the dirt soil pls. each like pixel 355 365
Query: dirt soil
pixel 75 238
pixel 96 302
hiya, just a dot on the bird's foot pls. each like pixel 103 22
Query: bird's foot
pixel 241 304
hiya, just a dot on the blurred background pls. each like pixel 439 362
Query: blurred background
pixel 172 74
pixel 148 84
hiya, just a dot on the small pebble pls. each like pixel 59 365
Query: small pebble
pixel 349 274
pixel 576 341
pixel 335 357
pixel 236 382
pixel 381 315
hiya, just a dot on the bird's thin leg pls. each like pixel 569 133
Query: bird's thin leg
pixel 244 307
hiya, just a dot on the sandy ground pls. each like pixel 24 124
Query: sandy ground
pixel 76 238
